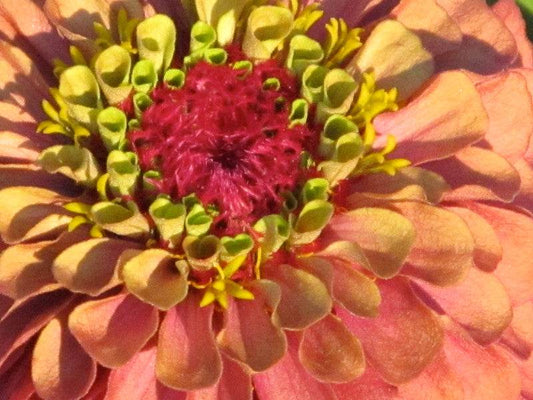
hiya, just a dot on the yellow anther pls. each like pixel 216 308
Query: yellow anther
pixel 78 207
pixel 219 285
pixel 208 298
pixel 76 222
pixel 257 266
pixel 96 232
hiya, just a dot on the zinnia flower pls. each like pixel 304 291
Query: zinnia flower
pixel 245 200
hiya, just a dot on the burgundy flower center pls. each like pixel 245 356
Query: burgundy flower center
pixel 226 138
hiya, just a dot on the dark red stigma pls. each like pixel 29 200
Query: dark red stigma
pixel 226 139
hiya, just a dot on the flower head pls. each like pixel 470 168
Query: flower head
pixel 241 199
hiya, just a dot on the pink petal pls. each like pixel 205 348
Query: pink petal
pixel 17 383
pixel 485 372
pixel 478 174
pixel 511 16
pixel 479 303
pixel 403 339
pixel 289 380
pixel 438 32
pixel 330 352
pixel 446 117
pixel 370 386
pixel 234 384
pixel 61 370
pixel 136 380
pixel 487 251
pixel 354 12
pixel 509 106
pixel 521 323
pixel 436 382
pixel 187 356
pixel 25 319
pixel 251 334
pixel 488 46
pixel 113 329
pixel 515 233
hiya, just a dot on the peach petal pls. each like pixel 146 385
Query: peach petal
pixel 443 249
pixel 478 174
pixel 30 213
pixel 113 329
pixel 403 339
pixel 525 197
pixel 510 14
pixel 234 384
pixel 435 28
pixel 30 22
pixel 370 386
pixel 16 147
pixel 436 382
pixel 410 183
pixel 289 380
pixel 384 52
pixel 521 323
pixel 485 372
pixel 136 380
pixel 17 383
pixel 509 106
pixel 31 175
pixel 25 269
pixel 515 233
pixel 90 266
pixel 479 303
pixel 187 356
pixel 61 370
pixel 384 236
pixel 354 12
pixel 304 297
pixel 153 277
pixel 487 47
pixel 330 352
pixel 446 117
pixel 487 251
pixel 355 291
pixel 250 334
pixel 26 318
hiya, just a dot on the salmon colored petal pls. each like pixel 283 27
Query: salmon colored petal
pixel 385 237
pixel 61 370
pixel 485 372
pixel 370 386
pixel 30 213
pixel 479 303
pixel 519 335
pixel 152 276
pixel 443 249
pixel 384 52
pixel 26 268
pixel 330 352
pixel 487 251
pixel 478 174
pixel 354 12
pixel 25 319
pixel 289 380
pixel 304 297
pixel 403 339
pixel 31 175
pixel 487 47
pixel 525 197
pixel 16 147
pixel 435 28
pixel 250 334
pixel 113 329
pixel 446 117
pixel 16 382
pixel 234 384
pixel 510 108
pixel 136 380
pixel 515 233
pixel 410 183
pixel 436 382
pixel 90 266
pixel 509 13
pixel 355 291
pixel 187 356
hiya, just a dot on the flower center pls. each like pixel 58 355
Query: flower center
pixel 225 136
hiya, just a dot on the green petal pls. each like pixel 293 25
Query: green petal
pixel 156 40
pixel 198 221
pixel 79 89
pixel 119 219
pixel 314 216
pixel 175 78
pixel 112 69
pixel 141 101
pixel 303 51
pixel 144 76
pixel 112 124
pixel 313 83
pixel 299 112
pixel 275 230
pixel 123 172
pixel 335 127
pixel 203 36
pixel 216 56
pixel 202 252
pixel 335 171
pixel 236 246
pixel 339 91
pixel 315 189
pixel 169 218
pixel 72 161
pixel 267 27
